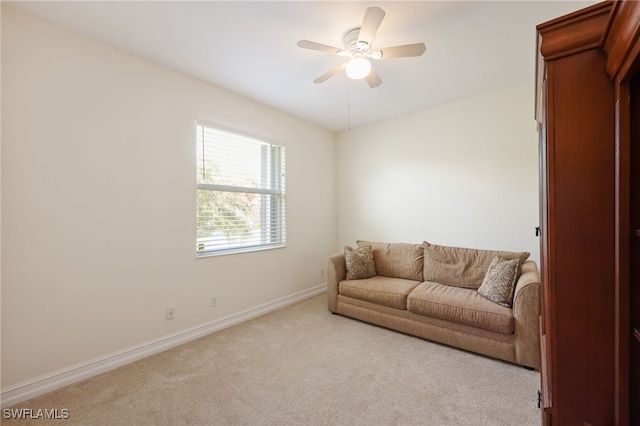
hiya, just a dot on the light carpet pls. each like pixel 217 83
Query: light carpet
pixel 301 365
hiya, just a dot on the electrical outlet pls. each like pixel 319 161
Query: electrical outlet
pixel 170 313
pixel 213 301
pixel 322 272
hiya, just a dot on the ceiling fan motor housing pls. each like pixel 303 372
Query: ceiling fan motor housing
pixel 352 45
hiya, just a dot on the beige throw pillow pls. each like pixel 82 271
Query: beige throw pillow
pixel 359 262
pixel 500 281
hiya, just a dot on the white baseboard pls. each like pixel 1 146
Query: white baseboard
pixel 41 385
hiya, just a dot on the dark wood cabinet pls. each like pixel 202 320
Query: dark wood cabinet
pixel 588 111
pixel 634 250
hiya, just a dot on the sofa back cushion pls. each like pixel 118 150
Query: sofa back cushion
pixel 397 260
pixel 461 267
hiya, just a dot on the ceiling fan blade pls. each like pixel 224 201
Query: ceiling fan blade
pixel 306 44
pixel 406 50
pixel 327 75
pixel 373 79
pixel 372 18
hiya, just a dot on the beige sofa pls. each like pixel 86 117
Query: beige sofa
pixel 432 292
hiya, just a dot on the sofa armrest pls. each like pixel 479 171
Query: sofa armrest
pixel 336 272
pixel 526 311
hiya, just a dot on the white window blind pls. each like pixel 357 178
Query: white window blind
pixel 240 192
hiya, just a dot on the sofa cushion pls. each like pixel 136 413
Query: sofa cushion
pixel 359 262
pixel 397 260
pixel 391 292
pixel 461 305
pixel 461 267
pixel 500 281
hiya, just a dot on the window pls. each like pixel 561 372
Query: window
pixel 240 192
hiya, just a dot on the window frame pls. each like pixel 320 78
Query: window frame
pixel 274 216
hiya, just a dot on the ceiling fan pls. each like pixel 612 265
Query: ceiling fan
pixel 357 47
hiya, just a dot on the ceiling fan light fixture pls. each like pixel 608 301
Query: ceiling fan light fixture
pixel 358 68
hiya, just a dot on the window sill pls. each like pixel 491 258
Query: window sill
pixel 239 251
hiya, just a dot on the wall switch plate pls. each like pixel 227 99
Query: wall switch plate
pixel 213 301
pixel 170 313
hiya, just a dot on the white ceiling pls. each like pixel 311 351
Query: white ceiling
pixel 250 48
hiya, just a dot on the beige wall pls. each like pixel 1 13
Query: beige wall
pixel 98 197
pixel 462 174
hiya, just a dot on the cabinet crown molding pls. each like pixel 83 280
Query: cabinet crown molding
pixel 622 39
pixel 575 32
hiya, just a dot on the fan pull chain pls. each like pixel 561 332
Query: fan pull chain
pixel 348 105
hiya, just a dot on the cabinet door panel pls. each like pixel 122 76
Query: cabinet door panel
pixel 634 252
pixel 583 214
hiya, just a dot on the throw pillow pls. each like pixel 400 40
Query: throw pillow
pixel 359 262
pixel 500 281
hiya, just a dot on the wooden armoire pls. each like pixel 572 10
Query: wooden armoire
pixel 588 113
